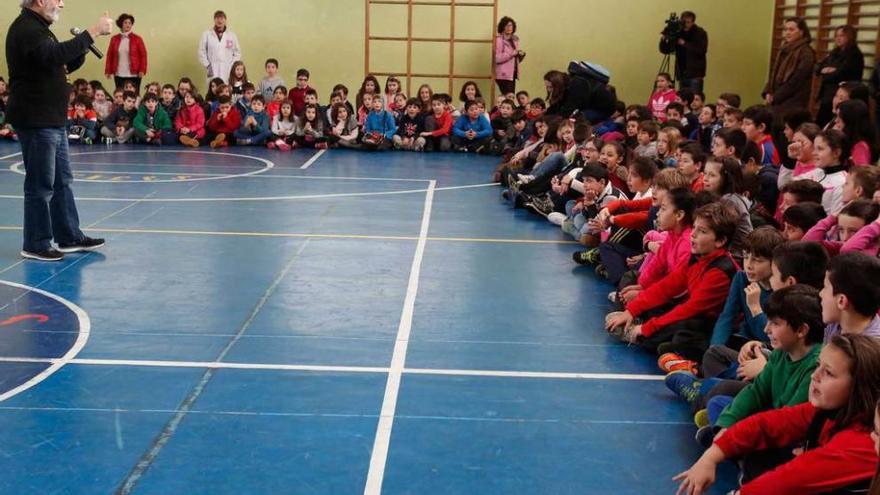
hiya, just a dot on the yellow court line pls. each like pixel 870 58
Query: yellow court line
pixel 313 236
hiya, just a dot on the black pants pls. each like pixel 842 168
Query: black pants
pixel 120 82
pixel 687 338
pixel 506 87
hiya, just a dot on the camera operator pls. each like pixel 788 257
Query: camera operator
pixel 690 44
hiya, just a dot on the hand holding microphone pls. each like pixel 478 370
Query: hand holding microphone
pixel 104 26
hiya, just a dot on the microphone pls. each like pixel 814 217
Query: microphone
pixel 94 49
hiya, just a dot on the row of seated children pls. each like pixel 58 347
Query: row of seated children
pixel 782 353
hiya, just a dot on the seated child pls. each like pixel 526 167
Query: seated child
pixel 82 121
pixel 647 139
pixel 379 128
pixel 102 105
pixel 835 232
pixel 851 296
pixel 410 127
pixel 502 128
pixel 343 127
pixel 798 191
pixel 708 126
pixel 834 426
pixel 691 160
pixel 223 124
pixel 190 121
pixel 728 143
pixel 243 104
pixel 283 128
pixel 598 193
pixel 152 125
pixel 800 218
pixel 309 130
pixel 472 130
pixel 255 127
pixel 169 102
pixel 127 111
pixel 670 322
pixel 279 96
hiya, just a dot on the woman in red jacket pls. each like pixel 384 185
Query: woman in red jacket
pixel 832 431
pixel 127 55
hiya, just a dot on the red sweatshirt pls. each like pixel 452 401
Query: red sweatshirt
pixel 297 96
pixel 636 216
pixel 226 126
pixel 706 281
pixel 444 124
pixel 838 461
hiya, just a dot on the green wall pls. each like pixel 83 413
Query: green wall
pixel 327 37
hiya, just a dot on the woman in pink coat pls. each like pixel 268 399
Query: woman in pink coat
pixel 507 56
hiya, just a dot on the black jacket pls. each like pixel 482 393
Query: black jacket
pixel 38 67
pixel 690 58
pixel 850 65
pixel 590 97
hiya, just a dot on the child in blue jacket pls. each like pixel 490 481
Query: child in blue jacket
pixel 379 128
pixel 472 131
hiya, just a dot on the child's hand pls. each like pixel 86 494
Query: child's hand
pixel 633 334
pixel 654 246
pixel 749 351
pixel 150 133
pixel 752 368
pixel 502 133
pixel 630 293
pixel 577 208
pixel 753 298
pixel 595 225
pixel 632 261
pixel 794 150
pixel 618 319
pixel 184 130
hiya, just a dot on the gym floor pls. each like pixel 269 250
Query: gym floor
pixel 317 323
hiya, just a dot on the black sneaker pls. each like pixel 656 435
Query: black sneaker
pixel 47 255
pixel 587 257
pixel 84 244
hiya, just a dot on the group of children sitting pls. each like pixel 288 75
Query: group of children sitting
pixel 751 272
pixel 239 112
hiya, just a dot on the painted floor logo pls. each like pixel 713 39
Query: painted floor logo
pixel 39 333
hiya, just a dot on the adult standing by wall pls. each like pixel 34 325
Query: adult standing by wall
pixel 508 56
pixel 690 46
pixel 792 72
pixel 38 67
pixel 219 49
pixel 844 63
pixel 127 55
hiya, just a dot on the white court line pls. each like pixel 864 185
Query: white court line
pixel 336 369
pixel 10 156
pixel 312 160
pixel 215 200
pixel 379 456
pixel 55 364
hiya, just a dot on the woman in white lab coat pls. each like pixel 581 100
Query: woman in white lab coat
pixel 219 49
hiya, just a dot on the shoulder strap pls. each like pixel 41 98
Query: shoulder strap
pixel 725 264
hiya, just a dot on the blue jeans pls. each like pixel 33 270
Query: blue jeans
pixel 49 207
pixel 552 165
pixel 256 138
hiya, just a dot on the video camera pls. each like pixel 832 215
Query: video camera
pixel 672 31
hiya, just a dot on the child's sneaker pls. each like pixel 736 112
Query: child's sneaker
pixel 244 142
pixel 671 361
pixel 188 141
pixel 321 146
pixel 219 141
pixel 525 178
pixel 270 145
pixel 684 384
pixel 587 257
pixel 282 145
pixel 556 218
pixel 701 418
pixel 705 436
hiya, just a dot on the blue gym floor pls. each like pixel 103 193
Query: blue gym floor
pixel 336 323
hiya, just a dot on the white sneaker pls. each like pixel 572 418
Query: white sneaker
pixel 524 178
pixel 612 296
pixel 556 218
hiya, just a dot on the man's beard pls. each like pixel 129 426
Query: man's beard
pixel 53 14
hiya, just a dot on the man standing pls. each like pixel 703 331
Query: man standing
pixel 219 49
pixel 38 67
pixel 690 52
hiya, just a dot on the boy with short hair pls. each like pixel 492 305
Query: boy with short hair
pixel 522 100
pixel 732 118
pixel 798 219
pixel 271 80
pixel 682 325
pixel 727 100
pixel 255 128
pixel 169 101
pixel 647 139
pixel 244 103
pixel 728 142
pixel 690 162
pixel 81 121
pixel 342 90
pixel 537 107
pixel 297 94
pixel 757 122
pixel 379 128
pixel 223 124
pixel 502 128
pixel 152 125
pixel 675 114
pixel 472 130
pixel 410 127
pixel 851 295
pixel 800 191
pixel 128 111
pixel 438 125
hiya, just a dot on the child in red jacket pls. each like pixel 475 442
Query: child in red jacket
pixel 222 124
pixel 833 431
pixel 682 325
pixel 438 125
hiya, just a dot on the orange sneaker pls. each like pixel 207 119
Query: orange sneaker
pixel 671 361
